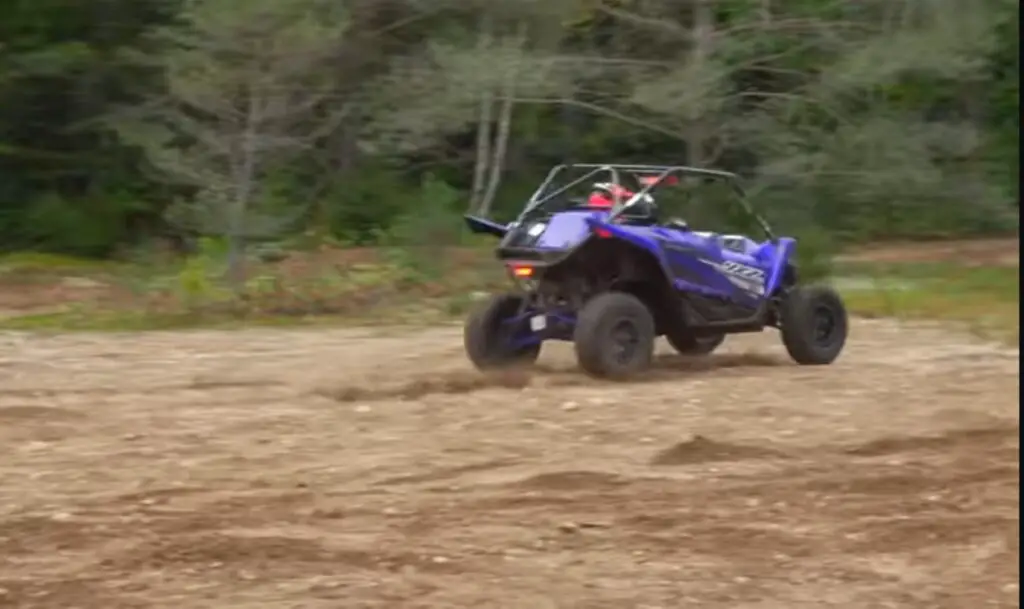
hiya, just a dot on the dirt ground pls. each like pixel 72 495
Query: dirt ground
pixel 355 469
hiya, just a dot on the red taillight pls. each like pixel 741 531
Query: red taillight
pixel 603 233
pixel 522 272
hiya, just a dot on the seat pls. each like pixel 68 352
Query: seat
pixel 735 243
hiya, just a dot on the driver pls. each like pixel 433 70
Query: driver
pixel 603 194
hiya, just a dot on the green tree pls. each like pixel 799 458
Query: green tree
pixel 246 93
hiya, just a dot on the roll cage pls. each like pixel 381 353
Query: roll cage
pixel 649 176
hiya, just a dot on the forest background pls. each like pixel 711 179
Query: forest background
pixel 192 140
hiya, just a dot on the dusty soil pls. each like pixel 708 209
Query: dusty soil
pixel 358 469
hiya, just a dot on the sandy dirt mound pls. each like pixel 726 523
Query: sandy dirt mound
pixel 330 469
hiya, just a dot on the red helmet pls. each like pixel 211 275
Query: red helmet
pixel 603 195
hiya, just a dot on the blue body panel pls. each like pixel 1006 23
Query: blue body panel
pixel 568 228
pixel 746 272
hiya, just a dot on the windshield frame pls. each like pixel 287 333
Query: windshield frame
pixel 660 173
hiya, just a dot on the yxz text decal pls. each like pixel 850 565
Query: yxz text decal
pixel 748 278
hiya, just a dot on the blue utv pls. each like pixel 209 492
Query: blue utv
pixel 603 271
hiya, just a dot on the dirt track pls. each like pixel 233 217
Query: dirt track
pixel 339 469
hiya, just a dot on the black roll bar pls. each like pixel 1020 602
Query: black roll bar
pixel 662 172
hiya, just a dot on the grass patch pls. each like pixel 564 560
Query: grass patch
pixel 37 263
pixel 126 321
pixel 410 287
pixel 984 299
pixel 418 313
pixel 386 285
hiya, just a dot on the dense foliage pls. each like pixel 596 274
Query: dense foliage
pixel 125 120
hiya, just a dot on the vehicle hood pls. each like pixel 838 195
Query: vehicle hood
pixel 564 229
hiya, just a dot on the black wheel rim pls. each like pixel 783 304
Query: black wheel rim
pixel 825 325
pixel 506 339
pixel 625 341
pixel 502 344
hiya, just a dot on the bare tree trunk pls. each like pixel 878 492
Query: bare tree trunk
pixel 699 131
pixel 237 237
pixel 483 151
pixel 508 101
pixel 483 129
pixel 500 147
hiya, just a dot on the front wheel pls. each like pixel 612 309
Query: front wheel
pixel 814 324
pixel 491 340
pixel 614 336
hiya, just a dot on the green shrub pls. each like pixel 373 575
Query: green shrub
pixel 416 241
pixel 815 254
pixel 92 227
pixel 199 281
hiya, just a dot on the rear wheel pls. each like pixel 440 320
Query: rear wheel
pixel 491 341
pixel 814 324
pixel 614 336
pixel 687 344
